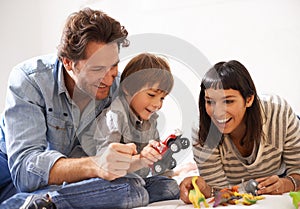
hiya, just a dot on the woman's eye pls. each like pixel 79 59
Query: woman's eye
pixel 209 102
pixel 228 101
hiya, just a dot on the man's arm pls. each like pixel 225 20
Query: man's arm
pixel 112 164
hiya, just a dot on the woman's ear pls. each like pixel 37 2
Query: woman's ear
pixel 249 101
pixel 67 63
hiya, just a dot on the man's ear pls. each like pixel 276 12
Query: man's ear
pixel 67 63
pixel 249 101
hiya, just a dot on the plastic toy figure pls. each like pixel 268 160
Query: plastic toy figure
pixel 251 187
pixel 232 196
pixel 172 144
pixel 226 196
pixel 249 199
pixel 195 196
pixel 296 199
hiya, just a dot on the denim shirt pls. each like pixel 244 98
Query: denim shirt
pixel 41 122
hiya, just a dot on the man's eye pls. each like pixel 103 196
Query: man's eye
pixel 98 69
pixel 151 95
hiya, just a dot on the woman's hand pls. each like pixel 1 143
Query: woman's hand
pixel 186 186
pixel 272 185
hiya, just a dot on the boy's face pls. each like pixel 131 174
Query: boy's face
pixel 146 102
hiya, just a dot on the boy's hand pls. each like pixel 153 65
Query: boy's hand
pixel 149 154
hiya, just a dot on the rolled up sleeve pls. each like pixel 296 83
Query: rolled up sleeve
pixel 29 159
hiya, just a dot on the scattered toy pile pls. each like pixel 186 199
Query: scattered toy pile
pixel 223 197
pixel 232 196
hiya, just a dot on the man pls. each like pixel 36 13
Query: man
pixel 50 101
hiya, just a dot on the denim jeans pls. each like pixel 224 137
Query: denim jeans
pixel 161 188
pixel 126 192
pixel 7 189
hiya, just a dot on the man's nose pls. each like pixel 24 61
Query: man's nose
pixel 110 75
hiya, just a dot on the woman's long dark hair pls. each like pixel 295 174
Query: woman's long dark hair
pixel 230 75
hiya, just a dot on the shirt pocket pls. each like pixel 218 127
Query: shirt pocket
pixel 59 134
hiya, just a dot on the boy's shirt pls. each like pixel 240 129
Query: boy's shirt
pixel 118 123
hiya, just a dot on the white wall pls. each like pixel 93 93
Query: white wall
pixel 263 34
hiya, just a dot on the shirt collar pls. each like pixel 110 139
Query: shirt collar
pixel 61 81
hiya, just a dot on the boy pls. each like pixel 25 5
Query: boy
pixel 132 118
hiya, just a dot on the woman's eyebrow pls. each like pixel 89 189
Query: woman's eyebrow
pixel 229 96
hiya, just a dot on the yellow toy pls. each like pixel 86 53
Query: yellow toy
pixel 195 196
pixel 249 199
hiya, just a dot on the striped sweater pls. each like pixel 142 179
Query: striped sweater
pixel 277 153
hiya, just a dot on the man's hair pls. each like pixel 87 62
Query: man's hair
pixel 89 25
pixel 145 71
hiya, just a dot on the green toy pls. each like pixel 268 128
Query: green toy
pixel 296 199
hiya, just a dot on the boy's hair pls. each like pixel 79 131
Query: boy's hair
pixel 145 71
pixel 89 25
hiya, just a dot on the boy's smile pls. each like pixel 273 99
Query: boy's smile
pixel 146 102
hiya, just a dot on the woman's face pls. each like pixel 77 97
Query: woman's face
pixel 226 108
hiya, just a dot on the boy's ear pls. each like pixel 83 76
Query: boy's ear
pixel 67 63
pixel 249 101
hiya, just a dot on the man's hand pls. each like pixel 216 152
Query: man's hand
pixel 115 161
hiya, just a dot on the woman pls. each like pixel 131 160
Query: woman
pixel 242 136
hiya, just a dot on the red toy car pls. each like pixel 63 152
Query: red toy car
pixel 172 144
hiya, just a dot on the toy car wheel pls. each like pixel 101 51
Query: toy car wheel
pixel 174 147
pixel 170 141
pixel 173 163
pixel 185 143
pixel 159 168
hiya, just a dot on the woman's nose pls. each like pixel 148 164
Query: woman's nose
pixel 219 110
